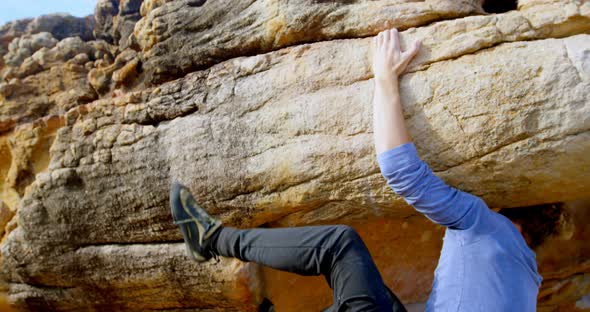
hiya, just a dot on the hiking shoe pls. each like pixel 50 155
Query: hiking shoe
pixel 196 225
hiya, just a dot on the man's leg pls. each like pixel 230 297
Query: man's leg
pixel 337 252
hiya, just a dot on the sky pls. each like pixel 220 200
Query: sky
pixel 17 9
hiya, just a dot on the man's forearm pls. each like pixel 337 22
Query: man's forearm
pixel 389 62
pixel 389 127
pixel 407 175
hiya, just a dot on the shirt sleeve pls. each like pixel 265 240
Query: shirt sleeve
pixel 412 179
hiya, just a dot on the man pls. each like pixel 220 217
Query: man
pixel 485 263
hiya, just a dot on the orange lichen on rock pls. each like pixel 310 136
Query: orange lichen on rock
pixel 24 153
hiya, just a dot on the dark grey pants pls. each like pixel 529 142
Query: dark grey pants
pixel 337 252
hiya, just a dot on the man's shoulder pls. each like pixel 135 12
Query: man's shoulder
pixel 494 229
pixel 486 223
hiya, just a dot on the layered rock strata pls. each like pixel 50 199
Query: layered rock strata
pixel 218 31
pixel 92 136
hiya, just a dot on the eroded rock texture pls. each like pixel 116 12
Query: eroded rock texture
pixel 59 25
pixel 263 109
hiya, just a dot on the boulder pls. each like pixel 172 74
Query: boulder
pixel 9 31
pixel 130 277
pixel 23 47
pixel 44 93
pixel 270 128
pixel 284 139
pixel 104 11
pixel 292 98
pixel 62 26
pixel 50 81
pixel 203 33
pixel 115 20
pixel 59 25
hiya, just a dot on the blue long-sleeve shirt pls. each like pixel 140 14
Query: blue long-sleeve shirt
pixel 485 263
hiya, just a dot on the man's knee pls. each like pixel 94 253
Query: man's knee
pixel 346 233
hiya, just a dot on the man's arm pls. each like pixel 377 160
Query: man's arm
pixel 388 63
pixel 406 174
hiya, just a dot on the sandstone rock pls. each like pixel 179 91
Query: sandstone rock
pixel 64 51
pixel 149 5
pixel 542 21
pixel 31 84
pixel 27 68
pixel 198 46
pixel 564 260
pixel 4 303
pixel 62 26
pixel 50 81
pixel 123 70
pixel 202 33
pixel 99 80
pixel 126 73
pixel 524 4
pixel 23 47
pixel 104 11
pixel 451 39
pixel 6 215
pixel 282 139
pixel 34 33
pixel 8 89
pixel 103 51
pixel 116 276
pixel 116 19
pixel 48 92
pixel 125 23
pixel 15 28
pixel 24 154
pixel 270 140
pixel 59 25
pixel 9 31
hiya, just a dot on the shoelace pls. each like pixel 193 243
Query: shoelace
pixel 215 256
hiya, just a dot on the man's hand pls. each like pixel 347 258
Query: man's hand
pixel 388 60
pixel 388 63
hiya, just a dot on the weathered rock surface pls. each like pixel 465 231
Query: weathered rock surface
pixel 44 67
pixel 22 47
pixel 23 154
pixel 202 33
pixel 61 26
pixel 50 80
pixel 565 261
pixel 116 20
pixel 131 277
pixel 498 105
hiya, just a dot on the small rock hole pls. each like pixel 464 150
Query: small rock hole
pixel 499 6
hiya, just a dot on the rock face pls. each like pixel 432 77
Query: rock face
pixel 59 25
pixel 263 110
pixel 50 80
pixel 44 65
pixel 116 19
pixel 203 33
